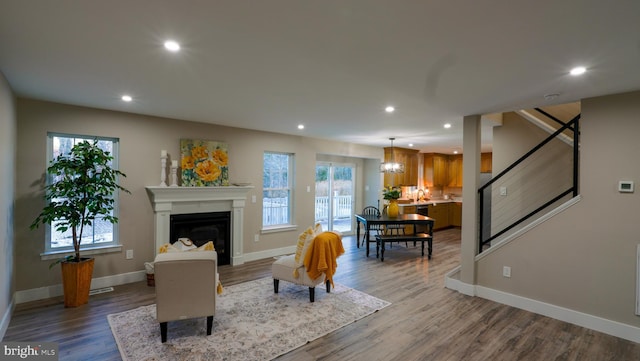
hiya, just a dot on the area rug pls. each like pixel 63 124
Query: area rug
pixel 251 323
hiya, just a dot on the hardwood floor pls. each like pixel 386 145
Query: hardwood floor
pixel 425 321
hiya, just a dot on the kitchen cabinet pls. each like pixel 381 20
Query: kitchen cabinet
pixel 441 170
pixel 486 162
pixel 408 157
pixel 455 214
pixel 445 215
pixel 455 171
pixel 436 170
pixel 440 212
pixel 408 209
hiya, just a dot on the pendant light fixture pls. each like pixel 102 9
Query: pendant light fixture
pixel 392 166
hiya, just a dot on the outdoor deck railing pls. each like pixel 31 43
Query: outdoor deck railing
pixel 275 210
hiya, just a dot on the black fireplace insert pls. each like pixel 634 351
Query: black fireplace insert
pixel 202 228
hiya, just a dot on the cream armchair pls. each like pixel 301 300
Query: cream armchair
pixel 185 287
pixel 283 269
pixel 313 264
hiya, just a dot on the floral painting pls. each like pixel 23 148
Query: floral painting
pixel 204 163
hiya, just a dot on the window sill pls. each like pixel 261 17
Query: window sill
pixel 276 229
pixel 53 255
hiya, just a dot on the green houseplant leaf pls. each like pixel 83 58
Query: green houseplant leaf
pixel 82 188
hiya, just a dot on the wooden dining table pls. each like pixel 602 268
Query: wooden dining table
pixel 402 219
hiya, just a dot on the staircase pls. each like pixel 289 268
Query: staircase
pixel 536 183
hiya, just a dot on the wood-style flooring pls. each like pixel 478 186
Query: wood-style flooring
pixel 425 321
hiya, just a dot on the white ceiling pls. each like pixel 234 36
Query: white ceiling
pixel 332 65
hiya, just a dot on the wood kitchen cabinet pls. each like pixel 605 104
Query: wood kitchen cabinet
pixel 455 171
pixel 486 162
pixel 436 170
pixel 445 215
pixel 408 157
pixel 442 170
pixel 455 214
pixel 440 212
pixel 408 209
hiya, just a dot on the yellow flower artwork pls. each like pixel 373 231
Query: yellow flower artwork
pixel 204 163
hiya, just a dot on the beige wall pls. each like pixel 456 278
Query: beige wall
pixel 141 139
pixel 584 258
pixel 7 184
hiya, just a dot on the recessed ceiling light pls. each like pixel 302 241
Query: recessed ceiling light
pixel 411 144
pixel 455 152
pixel 447 126
pixel 300 126
pixel 389 109
pixel 172 45
pixel 578 70
pixel 127 98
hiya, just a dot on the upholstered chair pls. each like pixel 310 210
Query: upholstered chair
pixel 313 264
pixel 283 269
pixel 185 287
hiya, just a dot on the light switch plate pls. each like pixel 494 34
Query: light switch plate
pixel 506 271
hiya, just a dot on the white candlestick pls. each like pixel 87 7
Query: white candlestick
pixel 163 153
pixel 163 171
pixel 174 173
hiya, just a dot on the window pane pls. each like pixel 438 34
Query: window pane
pixel 87 236
pixel 61 145
pixel 59 239
pixel 101 232
pixel 276 204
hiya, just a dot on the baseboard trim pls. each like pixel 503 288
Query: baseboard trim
pixel 40 293
pixel 452 281
pixel 6 318
pixel 592 322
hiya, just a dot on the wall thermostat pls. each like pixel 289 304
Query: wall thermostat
pixel 625 186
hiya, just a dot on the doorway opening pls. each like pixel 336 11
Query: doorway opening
pixel 334 203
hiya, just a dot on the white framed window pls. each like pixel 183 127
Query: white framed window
pixel 277 186
pixel 101 233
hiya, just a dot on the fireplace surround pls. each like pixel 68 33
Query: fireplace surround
pixel 168 201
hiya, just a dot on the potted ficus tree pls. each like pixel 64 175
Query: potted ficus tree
pixel 81 189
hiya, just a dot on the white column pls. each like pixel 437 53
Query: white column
pixel 162 224
pixel 471 180
pixel 237 239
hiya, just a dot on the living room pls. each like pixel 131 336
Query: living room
pixel 582 262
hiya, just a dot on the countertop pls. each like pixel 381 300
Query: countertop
pixel 431 201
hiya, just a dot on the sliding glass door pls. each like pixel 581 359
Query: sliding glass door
pixel 334 196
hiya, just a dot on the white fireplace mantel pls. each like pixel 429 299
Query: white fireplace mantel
pixel 184 200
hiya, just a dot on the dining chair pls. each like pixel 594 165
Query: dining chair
pixel 371 211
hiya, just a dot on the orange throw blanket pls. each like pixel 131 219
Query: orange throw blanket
pixel 322 255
